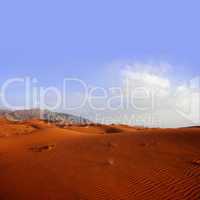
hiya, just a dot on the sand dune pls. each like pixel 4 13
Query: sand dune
pixel 42 161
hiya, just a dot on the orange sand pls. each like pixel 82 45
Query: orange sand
pixel 39 161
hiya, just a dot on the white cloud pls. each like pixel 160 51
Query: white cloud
pixel 148 79
pixel 173 105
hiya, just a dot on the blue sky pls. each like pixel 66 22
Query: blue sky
pixel 46 38
pixel 51 40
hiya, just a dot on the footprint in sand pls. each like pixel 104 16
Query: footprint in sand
pixel 111 145
pixel 41 148
pixel 110 161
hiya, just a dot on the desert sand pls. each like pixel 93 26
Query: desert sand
pixel 40 161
